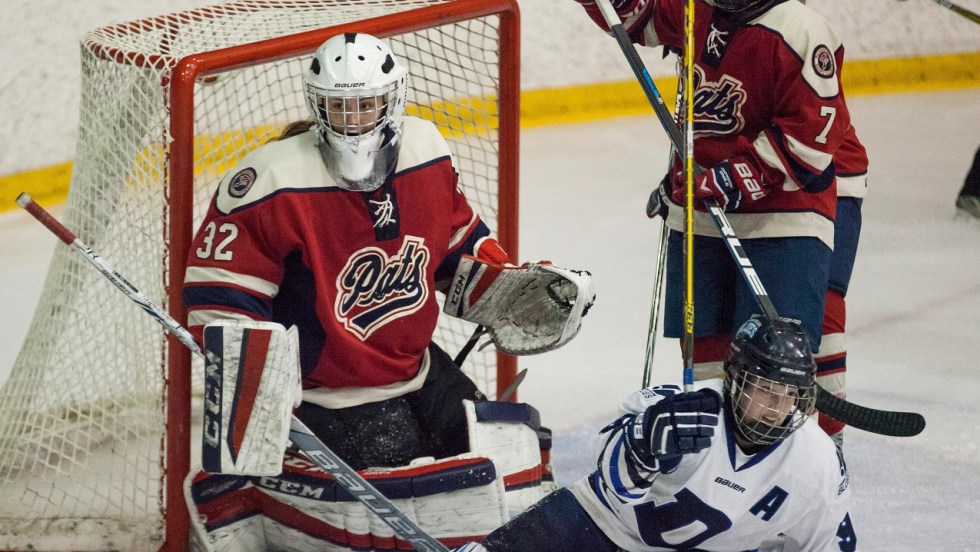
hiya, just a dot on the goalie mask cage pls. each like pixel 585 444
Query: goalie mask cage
pixel 96 418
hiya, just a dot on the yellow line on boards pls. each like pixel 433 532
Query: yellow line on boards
pixel 49 185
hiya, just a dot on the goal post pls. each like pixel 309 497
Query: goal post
pixel 97 417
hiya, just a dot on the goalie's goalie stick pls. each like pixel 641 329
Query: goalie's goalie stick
pixel 299 434
pixel 883 422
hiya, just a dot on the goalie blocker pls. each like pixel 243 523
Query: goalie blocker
pixel 527 309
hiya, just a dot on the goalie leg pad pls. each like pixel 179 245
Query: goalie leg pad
pixel 251 385
pixel 511 435
pixel 456 500
pixel 528 309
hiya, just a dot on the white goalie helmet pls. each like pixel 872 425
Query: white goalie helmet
pixel 355 90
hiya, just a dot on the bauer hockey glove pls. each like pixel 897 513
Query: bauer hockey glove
pixel 733 183
pixel 678 424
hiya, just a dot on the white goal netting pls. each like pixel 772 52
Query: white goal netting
pixel 83 442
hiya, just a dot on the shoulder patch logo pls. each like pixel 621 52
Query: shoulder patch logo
pixel 241 183
pixel 823 62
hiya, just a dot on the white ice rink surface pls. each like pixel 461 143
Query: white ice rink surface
pixel 913 317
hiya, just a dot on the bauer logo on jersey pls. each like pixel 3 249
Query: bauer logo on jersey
pixel 374 289
pixel 718 105
pixel 823 62
pixel 241 183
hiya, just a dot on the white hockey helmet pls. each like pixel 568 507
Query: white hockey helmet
pixel 356 92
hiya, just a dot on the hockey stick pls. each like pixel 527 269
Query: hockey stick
pixel 689 173
pixel 658 285
pixel 512 388
pixel 667 122
pixel 883 422
pixel 972 16
pixel 299 434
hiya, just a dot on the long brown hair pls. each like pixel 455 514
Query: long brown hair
pixel 292 129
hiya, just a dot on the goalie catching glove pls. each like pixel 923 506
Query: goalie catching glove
pixel 527 309
pixel 251 386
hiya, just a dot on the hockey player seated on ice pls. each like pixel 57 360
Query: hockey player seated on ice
pixel 312 285
pixel 730 466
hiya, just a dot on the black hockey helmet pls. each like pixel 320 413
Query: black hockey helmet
pixel 770 360
pixel 744 10
pixel 777 349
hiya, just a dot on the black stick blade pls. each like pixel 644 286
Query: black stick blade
pixel 882 422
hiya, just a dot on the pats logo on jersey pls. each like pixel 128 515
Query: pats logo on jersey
pixel 241 183
pixel 718 104
pixel 823 62
pixel 374 289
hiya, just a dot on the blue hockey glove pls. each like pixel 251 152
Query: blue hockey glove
pixel 733 183
pixel 676 425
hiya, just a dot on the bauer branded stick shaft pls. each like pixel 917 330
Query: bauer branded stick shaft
pixel 299 434
pixel 640 70
pixel 883 422
pixel 69 237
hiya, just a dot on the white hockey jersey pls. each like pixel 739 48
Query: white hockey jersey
pixel 721 499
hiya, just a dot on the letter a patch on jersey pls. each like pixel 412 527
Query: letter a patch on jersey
pixel 770 503
pixel 374 289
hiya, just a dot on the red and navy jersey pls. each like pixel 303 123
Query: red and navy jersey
pixel 767 90
pixel 355 272
pixel 851 161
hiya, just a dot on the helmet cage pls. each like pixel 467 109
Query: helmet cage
pixel 770 379
pixel 350 112
pixel 765 410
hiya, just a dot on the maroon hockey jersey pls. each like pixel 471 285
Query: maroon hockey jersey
pixel 769 90
pixel 355 272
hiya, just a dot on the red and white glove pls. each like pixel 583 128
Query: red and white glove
pixel 490 250
pixel 734 183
